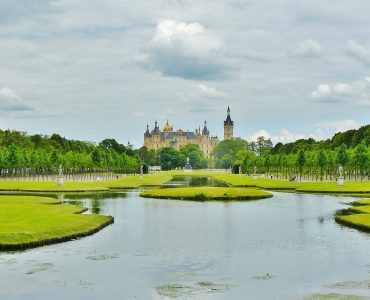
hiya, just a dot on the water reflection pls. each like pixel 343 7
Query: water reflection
pixel 194 181
pixel 285 247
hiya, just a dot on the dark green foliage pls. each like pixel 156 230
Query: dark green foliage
pixel 38 154
pixel 169 158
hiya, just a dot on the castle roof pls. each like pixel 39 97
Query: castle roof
pixel 228 121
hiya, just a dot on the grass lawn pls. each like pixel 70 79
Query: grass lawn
pixel 237 180
pixel 27 221
pixel 358 215
pixel 207 193
pixel 129 182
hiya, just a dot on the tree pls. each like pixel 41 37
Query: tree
pixel 229 147
pixel 226 161
pixel 169 158
pixel 196 157
pixel 343 156
pixel 263 145
pixel 301 161
pixel 361 158
pixel 321 161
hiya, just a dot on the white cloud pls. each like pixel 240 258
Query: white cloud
pixel 323 130
pixel 339 126
pixel 359 52
pixel 285 136
pixel 10 101
pixel 356 92
pixel 186 50
pixel 322 90
pixel 208 91
pixel 308 48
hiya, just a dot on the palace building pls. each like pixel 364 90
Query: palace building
pixel 167 137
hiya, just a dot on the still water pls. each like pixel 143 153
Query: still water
pixel 190 181
pixel 285 247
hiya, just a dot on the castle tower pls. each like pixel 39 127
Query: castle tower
pixel 228 127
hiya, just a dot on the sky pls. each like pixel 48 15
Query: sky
pixel 90 69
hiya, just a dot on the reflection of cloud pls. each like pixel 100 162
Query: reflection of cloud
pixel 186 50
pixel 11 102
pixel 357 92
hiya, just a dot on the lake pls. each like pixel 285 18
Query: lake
pixel 285 247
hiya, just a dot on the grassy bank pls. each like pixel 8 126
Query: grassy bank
pixel 27 221
pixel 357 216
pixel 237 180
pixel 123 183
pixel 207 193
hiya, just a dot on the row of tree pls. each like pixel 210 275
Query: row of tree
pixel 310 164
pixel 22 154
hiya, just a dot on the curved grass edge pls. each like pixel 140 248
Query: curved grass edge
pixel 359 211
pixel 358 226
pixel 38 243
pixel 34 244
pixel 202 195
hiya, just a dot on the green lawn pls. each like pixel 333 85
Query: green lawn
pixel 207 193
pixel 27 221
pixel 129 182
pixel 159 178
pixel 357 216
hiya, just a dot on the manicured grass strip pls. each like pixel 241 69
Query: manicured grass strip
pixel 27 222
pixel 360 209
pixel 157 179
pixel 206 193
pixel 357 216
pixel 333 187
pixel 362 202
pixel 27 186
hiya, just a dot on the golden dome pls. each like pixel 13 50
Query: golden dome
pixel 168 127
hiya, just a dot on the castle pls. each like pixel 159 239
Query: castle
pixel 156 138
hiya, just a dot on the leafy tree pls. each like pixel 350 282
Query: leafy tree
pixel 169 158
pixel 301 161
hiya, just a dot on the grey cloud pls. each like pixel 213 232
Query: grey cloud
pixel 11 102
pixel 187 50
pixel 308 48
pixel 361 53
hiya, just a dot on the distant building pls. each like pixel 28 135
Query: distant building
pixel 156 138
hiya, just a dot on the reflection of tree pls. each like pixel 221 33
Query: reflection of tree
pixel 96 205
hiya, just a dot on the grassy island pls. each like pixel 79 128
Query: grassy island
pixel 29 221
pixel 207 193
pixel 357 216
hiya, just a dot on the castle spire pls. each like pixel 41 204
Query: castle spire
pixel 228 126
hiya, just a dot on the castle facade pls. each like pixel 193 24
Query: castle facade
pixel 167 137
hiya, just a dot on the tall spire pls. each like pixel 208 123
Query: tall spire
pixel 205 129
pixel 228 126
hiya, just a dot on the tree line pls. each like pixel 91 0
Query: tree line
pixel 23 154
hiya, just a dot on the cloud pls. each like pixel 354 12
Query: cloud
pixel 361 53
pixel 285 136
pixel 208 91
pixel 357 92
pixel 339 126
pixel 323 130
pixel 308 48
pixel 186 50
pixel 11 102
